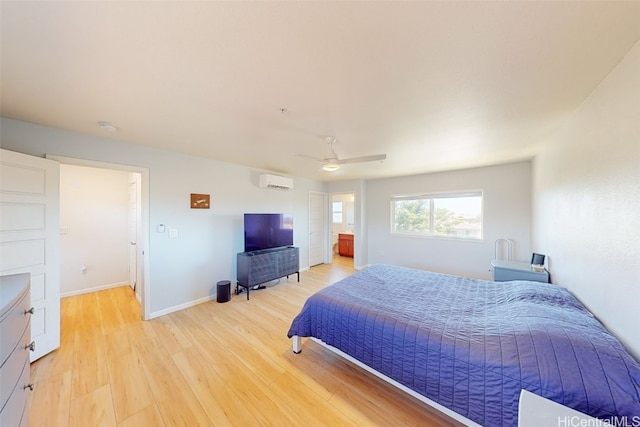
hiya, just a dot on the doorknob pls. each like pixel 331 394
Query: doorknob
pixel 132 243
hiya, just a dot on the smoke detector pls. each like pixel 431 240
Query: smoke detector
pixel 109 127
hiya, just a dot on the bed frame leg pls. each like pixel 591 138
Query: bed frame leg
pixel 297 344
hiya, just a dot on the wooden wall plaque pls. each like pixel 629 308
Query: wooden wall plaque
pixel 200 201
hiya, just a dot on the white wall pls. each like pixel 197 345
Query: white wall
pixel 93 223
pixel 587 202
pixel 185 269
pixel 506 214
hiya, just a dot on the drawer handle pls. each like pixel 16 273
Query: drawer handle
pixel 30 311
pixel 28 386
pixel 31 346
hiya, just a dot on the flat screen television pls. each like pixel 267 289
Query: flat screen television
pixel 267 231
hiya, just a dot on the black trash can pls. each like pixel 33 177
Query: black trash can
pixel 223 291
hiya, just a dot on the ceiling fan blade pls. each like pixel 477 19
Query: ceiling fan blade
pixel 371 158
pixel 306 156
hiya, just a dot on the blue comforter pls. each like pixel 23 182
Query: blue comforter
pixel 472 345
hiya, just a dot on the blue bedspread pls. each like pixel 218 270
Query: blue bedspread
pixel 472 345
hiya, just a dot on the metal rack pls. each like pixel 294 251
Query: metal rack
pixel 498 244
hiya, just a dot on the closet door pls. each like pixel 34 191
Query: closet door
pixel 30 238
pixel 317 228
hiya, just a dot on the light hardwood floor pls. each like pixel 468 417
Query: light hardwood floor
pixel 212 364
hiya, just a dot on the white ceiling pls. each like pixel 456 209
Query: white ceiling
pixel 434 85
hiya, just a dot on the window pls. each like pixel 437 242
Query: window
pixel 337 212
pixel 457 215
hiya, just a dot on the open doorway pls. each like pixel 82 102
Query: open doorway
pixel 343 226
pixel 103 211
pixel 99 226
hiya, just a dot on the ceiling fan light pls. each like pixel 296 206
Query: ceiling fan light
pixel 331 167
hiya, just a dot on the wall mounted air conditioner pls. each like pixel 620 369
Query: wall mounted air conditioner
pixel 275 181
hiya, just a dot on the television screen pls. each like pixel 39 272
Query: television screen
pixel 267 231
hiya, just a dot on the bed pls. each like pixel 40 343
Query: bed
pixel 471 346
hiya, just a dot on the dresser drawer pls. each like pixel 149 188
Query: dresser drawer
pixel 288 261
pixel 13 412
pixel 12 325
pixel 11 370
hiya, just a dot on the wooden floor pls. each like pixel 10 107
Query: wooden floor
pixel 212 364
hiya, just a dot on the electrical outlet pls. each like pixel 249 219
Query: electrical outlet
pixel 173 233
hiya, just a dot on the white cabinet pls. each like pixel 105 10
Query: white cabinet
pixel 15 344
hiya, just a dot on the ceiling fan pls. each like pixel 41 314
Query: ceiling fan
pixel 332 163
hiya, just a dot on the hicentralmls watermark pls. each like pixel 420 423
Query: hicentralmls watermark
pixel 577 421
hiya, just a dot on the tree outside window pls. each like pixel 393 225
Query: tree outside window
pixel 456 215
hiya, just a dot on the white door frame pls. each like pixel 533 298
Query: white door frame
pixel 142 243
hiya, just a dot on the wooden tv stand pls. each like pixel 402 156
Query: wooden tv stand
pixel 263 266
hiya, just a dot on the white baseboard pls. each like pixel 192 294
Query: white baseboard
pixel 192 303
pixel 93 289
pixel 180 306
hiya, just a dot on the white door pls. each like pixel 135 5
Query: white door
pixel 132 221
pixel 30 238
pixel 317 233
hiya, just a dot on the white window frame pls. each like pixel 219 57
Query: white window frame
pixel 334 212
pixel 431 197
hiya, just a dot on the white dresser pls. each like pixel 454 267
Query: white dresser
pixel 15 343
